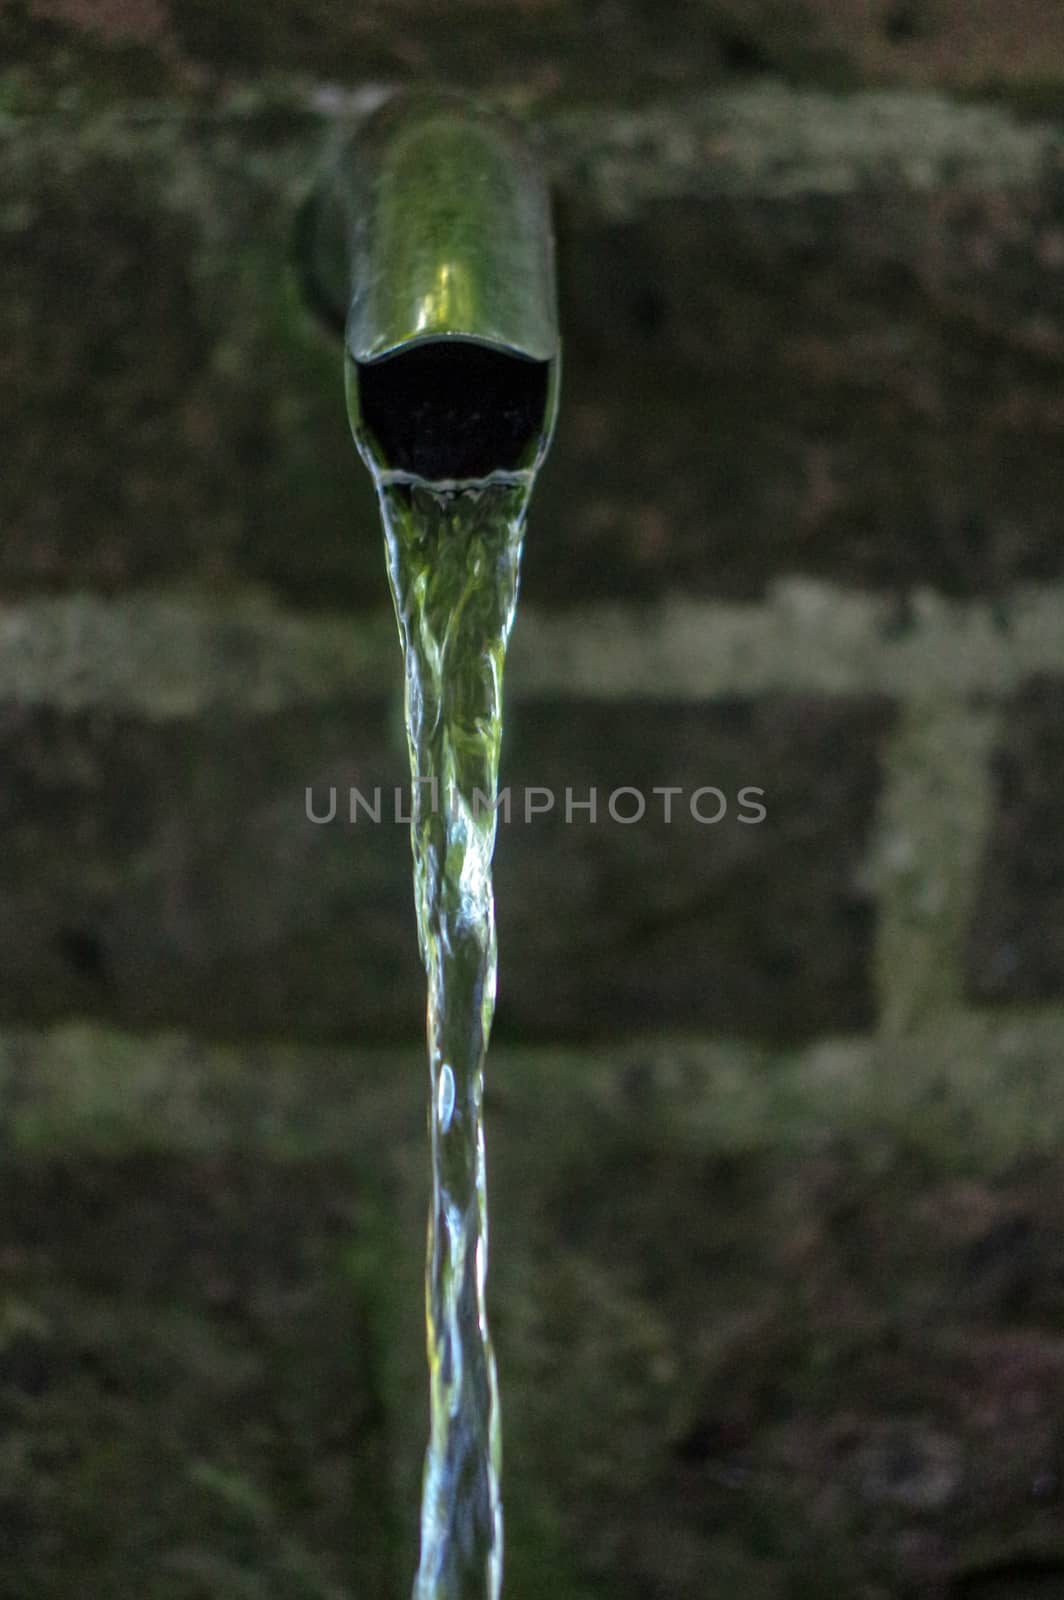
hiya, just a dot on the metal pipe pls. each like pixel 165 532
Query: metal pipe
pixel 434 230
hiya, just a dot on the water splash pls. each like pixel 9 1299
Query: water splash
pixel 453 558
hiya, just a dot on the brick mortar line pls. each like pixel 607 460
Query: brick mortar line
pixel 932 826
pixel 778 141
pixel 808 636
pixel 174 658
pixel 964 1081
pixel 772 140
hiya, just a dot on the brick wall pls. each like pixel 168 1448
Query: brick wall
pixel 775 1139
pixel 804 496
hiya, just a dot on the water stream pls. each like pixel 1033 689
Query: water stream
pixel 453 558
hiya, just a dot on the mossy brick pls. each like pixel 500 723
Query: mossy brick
pixel 768 1323
pixel 803 335
pixel 1016 940
pixel 167 872
pixel 188 1384
pixel 546 50
pixel 174 421
pixel 856 386
pixel 734 925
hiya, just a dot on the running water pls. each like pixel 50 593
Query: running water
pixel 453 558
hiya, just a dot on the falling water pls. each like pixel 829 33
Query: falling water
pixel 453 559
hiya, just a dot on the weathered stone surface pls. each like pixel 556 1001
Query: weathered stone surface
pixel 837 366
pixel 177 416
pixel 802 336
pixel 1016 947
pixel 767 1325
pixel 188 1391
pixel 751 1431
pixel 167 872
pixel 539 49
pixel 733 924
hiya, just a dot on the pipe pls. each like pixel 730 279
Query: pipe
pixel 434 231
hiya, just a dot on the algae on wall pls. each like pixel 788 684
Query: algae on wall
pixel 779 1322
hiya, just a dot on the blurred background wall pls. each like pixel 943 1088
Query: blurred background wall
pixel 774 1117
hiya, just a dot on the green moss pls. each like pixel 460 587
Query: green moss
pixel 52 66
pixel 1030 99
pixel 185 1356
pixel 758 1315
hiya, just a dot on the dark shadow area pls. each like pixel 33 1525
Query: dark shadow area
pixel 1023 1580
pixel 314 241
pixel 453 409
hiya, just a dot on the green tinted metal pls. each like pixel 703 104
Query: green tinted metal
pixel 449 232
pixel 431 245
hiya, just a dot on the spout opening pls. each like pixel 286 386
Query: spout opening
pixel 453 408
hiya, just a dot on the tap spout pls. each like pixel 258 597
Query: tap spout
pixel 435 233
